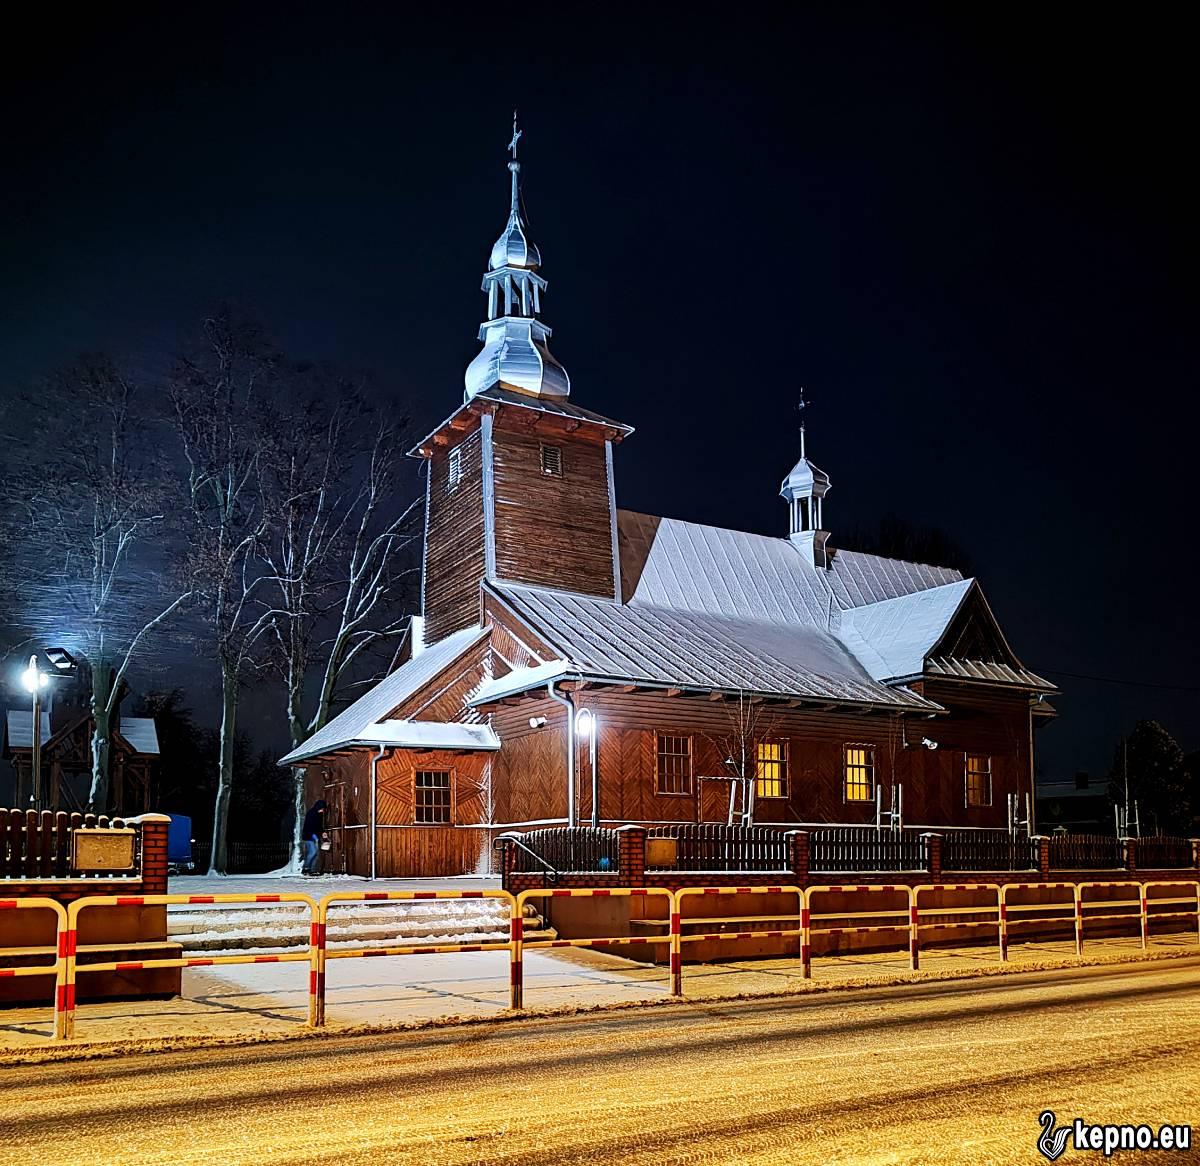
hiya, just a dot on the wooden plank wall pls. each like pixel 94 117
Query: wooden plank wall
pixel 529 773
pixel 431 851
pixel 454 549
pixel 553 531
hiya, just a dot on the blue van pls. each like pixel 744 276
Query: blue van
pixel 179 845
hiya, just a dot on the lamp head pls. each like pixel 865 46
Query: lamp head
pixel 33 678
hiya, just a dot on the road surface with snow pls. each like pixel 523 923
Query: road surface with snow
pixel 925 1072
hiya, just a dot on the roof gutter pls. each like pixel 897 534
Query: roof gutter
pixel 569 705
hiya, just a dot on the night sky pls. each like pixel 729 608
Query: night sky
pixel 969 233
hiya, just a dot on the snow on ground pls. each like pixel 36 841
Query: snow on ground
pixel 243 999
pixel 279 884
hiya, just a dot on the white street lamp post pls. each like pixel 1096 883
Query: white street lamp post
pixel 34 680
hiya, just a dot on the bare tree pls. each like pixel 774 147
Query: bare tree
pixel 225 395
pixel 88 539
pixel 750 721
pixel 335 561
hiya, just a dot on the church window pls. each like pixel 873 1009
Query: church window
pixel 454 473
pixel 432 802
pixel 859 773
pixel 979 780
pixel 552 461
pixel 771 775
pixel 674 764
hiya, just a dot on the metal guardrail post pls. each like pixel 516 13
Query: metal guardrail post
pixel 516 964
pixel 316 969
pixel 676 947
pixel 805 939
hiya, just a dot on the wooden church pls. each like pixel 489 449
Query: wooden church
pixel 581 664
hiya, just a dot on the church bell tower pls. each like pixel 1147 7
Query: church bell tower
pixel 520 484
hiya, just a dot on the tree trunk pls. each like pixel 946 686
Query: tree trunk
pixel 229 692
pixel 101 692
pixel 294 856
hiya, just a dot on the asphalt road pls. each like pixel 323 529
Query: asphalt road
pixel 937 1072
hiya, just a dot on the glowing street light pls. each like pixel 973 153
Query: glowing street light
pixel 587 726
pixel 34 680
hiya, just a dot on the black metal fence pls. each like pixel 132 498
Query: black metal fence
pixel 988 850
pixel 715 847
pixel 581 850
pixel 243 857
pixel 1159 852
pixel 1086 852
pixel 848 849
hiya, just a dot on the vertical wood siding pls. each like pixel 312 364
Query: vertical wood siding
pixel 454 551
pixel 553 531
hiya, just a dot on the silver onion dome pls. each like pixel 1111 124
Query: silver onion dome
pixel 514 248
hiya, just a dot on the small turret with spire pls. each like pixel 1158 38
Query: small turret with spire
pixel 515 342
pixel 804 490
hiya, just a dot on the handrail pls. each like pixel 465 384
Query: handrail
pixel 550 874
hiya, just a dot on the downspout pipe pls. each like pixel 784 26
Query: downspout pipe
pixel 567 703
pixel 375 759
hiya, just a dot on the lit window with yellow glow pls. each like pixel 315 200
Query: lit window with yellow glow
pixel 771 776
pixel 979 780
pixel 859 771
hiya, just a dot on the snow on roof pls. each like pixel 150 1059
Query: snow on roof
pixel 20 731
pixel 141 734
pixel 893 637
pixel 430 735
pixel 695 649
pixel 375 704
pixel 520 680
pixel 669 563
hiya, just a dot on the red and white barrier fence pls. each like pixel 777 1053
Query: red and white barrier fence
pixel 1073 906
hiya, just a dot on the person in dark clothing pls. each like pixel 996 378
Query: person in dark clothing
pixel 310 835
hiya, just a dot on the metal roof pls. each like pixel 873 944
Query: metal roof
pixel 141 734
pixel 988 671
pixel 562 408
pixel 348 727
pixel 430 735
pixel 20 728
pixel 673 648
pixel 893 637
pixel 668 562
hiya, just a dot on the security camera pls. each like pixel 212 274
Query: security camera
pixel 537 722
pixel 928 744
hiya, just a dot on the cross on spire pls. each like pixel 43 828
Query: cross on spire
pixel 800 407
pixel 517 136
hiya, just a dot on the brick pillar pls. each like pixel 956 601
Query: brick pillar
pixel 798 856
pixel 633 855
pixel 934 844
pixel 153 828
pixel 1043 856
pixel 1131 863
